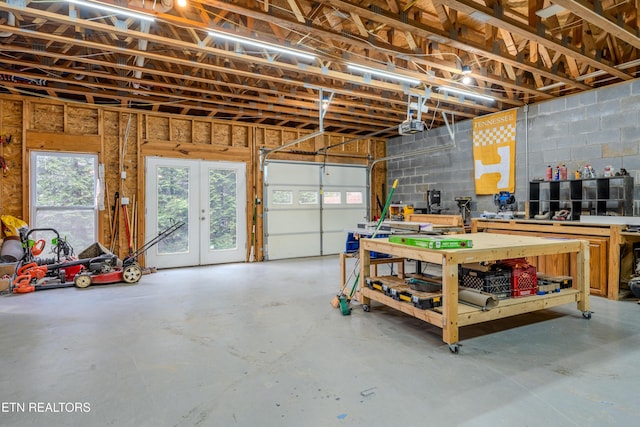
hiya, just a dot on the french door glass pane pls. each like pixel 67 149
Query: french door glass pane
pixel 173 206
pixel 222 209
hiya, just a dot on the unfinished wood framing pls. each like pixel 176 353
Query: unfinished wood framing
pixel 37 124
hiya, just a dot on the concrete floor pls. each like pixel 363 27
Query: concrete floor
pixel 260 345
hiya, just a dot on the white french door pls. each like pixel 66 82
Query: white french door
pixel 210 197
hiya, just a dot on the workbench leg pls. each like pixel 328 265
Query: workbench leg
pixel 343 271
pixel 365 270
pixel 583 277
pixel 613 276
pixel 450 302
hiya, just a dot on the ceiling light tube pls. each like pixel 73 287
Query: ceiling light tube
pixel 549 11
pixel 551 86
pixel 465 93
pixel 594 74
pixel 380 73
pixel 113 9
pixel 629 64
pixel 261 45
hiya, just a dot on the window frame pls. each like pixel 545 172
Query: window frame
pixel 34 207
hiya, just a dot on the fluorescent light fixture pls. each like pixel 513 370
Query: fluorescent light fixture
pixel 466 94
pixel 551 10
pixel 629 64
pixel 551 86
pixel 261 45
pixel 384 74
pixel 592 75
pixel 113 9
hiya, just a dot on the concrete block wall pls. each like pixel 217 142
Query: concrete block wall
pixel 600 127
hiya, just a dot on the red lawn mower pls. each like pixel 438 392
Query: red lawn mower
pixel 96 264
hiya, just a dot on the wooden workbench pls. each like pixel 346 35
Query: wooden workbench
pixel 486 247
pixel 605 242
pixel 344 286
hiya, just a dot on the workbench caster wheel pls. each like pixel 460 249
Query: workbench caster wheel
pixel 366 307
pixel 586 314
pixel 132 273
pixel 454 348
pixel 82 280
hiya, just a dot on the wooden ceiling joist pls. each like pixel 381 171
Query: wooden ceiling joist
pixel 173 65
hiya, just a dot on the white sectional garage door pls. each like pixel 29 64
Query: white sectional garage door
pixel 309 205
pixel 346 186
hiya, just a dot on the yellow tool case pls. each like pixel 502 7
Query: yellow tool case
pixel 395 288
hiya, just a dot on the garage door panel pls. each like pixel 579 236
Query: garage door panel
pixel 293 246
pixel 302 174
pixel 334 242
pixel 335 220
pixel 309 206
pixel 350 182
pixel 288 222
pixel 341 175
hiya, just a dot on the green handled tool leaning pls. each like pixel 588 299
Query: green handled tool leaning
pixel 342 300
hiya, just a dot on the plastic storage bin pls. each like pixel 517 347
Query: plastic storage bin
pixel 495 282
pixel 524 281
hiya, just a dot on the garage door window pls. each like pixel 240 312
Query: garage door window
pixel 281 197
pixel 354 197
pixel 308 198
pixel 332 198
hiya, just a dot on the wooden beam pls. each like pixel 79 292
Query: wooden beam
pixel 36 140
pixel 509 24
pixel 359 25
pixel 366 45
pixel 313 70
pixel 429 32
pixel 508 41
pixel 443 14
pixel 297 10
pixel 601 19
pixel 572 65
